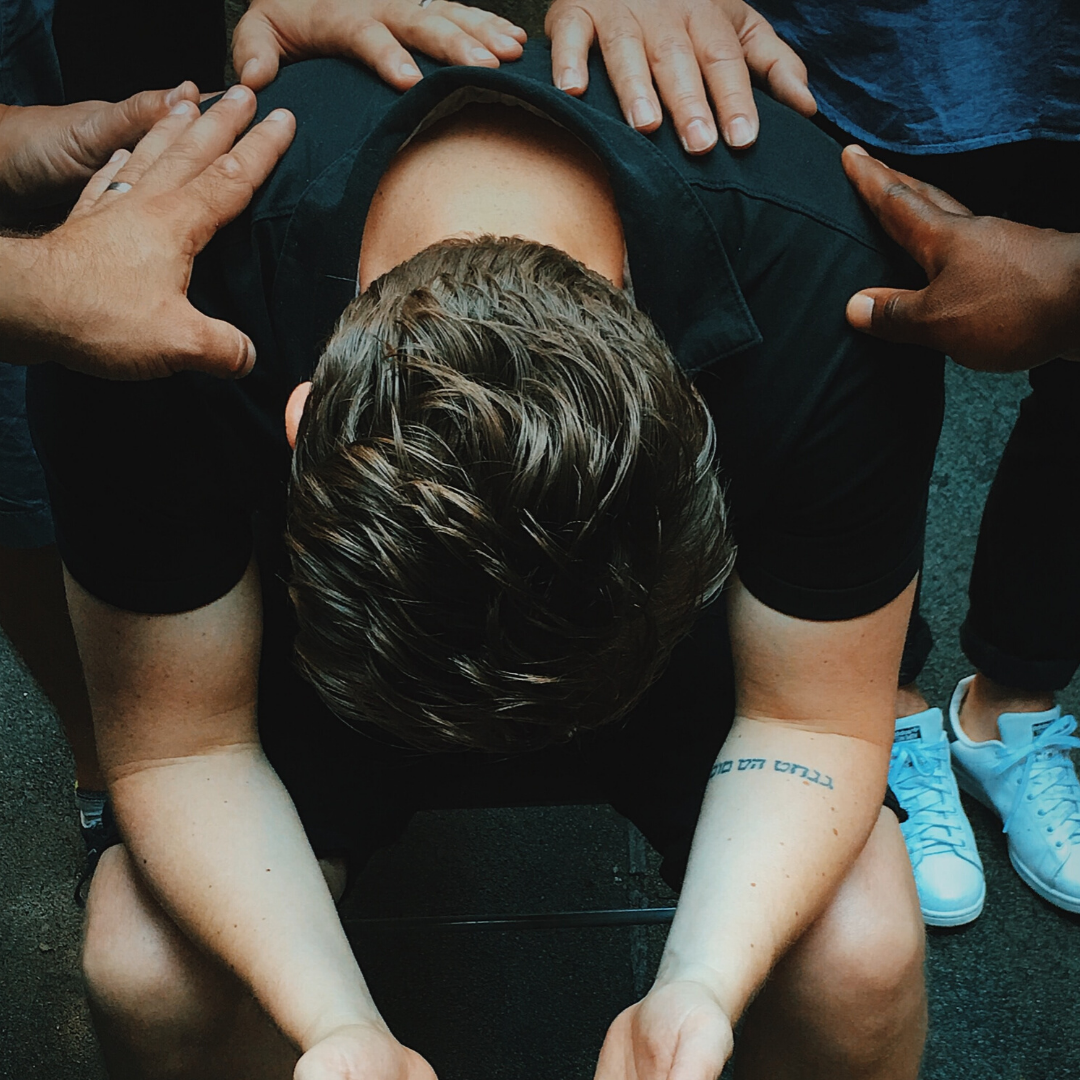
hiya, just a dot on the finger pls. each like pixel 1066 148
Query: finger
pixel 776 64
pixel 502 37
pixel 684 61
pixel 891 314
pixel 440 37
pixel 199 343
pixel 126 122
pixel 572 33
pixel 622 43
pixel 941 199
pixel 225 187
pixel 256 50
pixel 907 215
pixel 98 183
pixel 158 139
pixel 210 136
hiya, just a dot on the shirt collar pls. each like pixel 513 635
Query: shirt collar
pixel 681 273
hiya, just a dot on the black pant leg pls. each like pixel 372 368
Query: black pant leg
pixel 1023 623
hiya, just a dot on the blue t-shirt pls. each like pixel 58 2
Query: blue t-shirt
pixel 939 76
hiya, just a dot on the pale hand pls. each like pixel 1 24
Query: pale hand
pixel 678 1031
pixel 362 1052
pixel 1000 296
pixel 106 292
pixel 378 33
pixel 693 50
pixel 48 152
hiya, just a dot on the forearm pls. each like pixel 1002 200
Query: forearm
pixel 23 308
pixel 779 828
pixel 218 840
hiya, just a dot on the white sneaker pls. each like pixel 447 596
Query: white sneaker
pixel 941 846
pixel 1028 779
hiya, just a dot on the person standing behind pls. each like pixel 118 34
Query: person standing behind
pixel 980 98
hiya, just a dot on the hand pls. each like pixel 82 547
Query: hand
pixel 48 152
pixel 688 47
pixel 1001 296
pixel 362 1052
pixel 375 32
pixel 106 292
pixel 678 1031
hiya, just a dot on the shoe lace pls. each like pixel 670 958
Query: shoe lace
pixel 921 777
pixel 1048 775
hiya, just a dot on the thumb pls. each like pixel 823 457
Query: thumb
pixel 256 50
pixel 126 122
pixel 210 345
pixel 891 314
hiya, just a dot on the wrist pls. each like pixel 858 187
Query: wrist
pixel 336 1023
pixel 25 281
pixel 1071 314
pixel 731 993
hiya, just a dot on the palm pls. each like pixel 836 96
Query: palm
pixel 362 1052
pixel 677 1032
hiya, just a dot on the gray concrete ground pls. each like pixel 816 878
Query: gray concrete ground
pixel 534 1004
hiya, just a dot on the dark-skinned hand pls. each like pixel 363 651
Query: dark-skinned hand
pixel 1000 296
pixel 106 292
pixel 694 51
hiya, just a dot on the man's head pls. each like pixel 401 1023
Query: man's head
pixel 503 511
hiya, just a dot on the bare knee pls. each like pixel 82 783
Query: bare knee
pixel 142 976
pixel 849 996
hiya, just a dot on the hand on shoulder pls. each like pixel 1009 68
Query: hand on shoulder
pixel 1000 296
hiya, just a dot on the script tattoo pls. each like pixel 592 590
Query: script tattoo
pixel 792 768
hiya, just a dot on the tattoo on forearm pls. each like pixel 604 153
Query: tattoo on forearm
pixel 792 768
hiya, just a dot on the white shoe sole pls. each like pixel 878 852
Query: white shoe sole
pixel 955 918
pixel 1052 896
pixel 1028 877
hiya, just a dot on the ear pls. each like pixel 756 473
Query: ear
pixel 294 409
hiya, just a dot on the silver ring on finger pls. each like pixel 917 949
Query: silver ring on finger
pixel 119 185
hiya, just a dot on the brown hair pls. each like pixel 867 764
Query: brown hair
pixel 504 510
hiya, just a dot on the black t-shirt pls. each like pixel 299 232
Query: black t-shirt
pixel 744 260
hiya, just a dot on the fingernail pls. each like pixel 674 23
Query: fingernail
pixel 173 96
pixel 504 41
pixel 698 137
pixel 237 93
pixel 120 155
pixel 860 311
pixel 481 56
pixel 855 148
pixel 250 68
pixel 570 79
pixel 180 108
pixel 739 133
pixel 643 113
pixel 278 115
pixel 409 71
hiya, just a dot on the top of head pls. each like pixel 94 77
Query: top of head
pixel 503 511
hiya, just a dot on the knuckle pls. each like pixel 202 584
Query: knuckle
pixel 717 52
pixel 670 49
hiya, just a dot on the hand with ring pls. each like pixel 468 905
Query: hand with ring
pixel 377 33
pixel 106 292
pixel 48 152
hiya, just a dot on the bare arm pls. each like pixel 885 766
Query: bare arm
pixel 209 824
pixel 794 795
